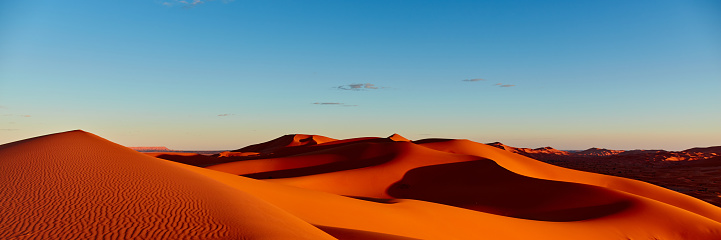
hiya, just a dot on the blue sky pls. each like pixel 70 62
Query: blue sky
pixel 225 74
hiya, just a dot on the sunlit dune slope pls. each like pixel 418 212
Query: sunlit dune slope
pixel 398 138
pixel 76 185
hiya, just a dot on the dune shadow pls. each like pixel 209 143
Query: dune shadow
pixel 375 200
pixel 323 168
pixel 195 160
pixel 431 140
pixel 483 185
pixel 354 234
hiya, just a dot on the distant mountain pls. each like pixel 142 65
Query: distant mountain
pixel 168 150
pixel 599 152
pixel 537 153
pixel 151 149
pixel 547 153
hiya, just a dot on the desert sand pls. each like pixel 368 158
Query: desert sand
pixel 76 185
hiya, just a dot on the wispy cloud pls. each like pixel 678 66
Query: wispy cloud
pixel 334 104
pixel 474 80
pixel 9 115
pixel 481 79
pixel 226 115
pixel 359 86
pixel 189 3
pixel 328 103
pixel 504 85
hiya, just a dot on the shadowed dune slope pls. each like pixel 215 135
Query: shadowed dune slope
pixel 76 185
pixel 188 158
pixel 537 169
pixel 484 186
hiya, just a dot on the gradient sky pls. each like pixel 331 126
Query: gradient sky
pixel 571 74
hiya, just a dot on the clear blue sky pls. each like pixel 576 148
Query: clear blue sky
pixel 224 74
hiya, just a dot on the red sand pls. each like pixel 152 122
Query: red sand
pixel 77 185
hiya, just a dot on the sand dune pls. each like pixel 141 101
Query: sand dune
pixel 531 167
pixel 393 160
pixel 76 185
pixel 643 219
pixel 291 140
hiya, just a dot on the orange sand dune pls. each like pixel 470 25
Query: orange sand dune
pixel 290 145
pixel 398 138
pixel 533 168
pixel 76 185
pixel 314 161
pixel 373 180
pixel 291 140
pixel 642 218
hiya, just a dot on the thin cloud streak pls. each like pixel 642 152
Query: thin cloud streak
pixel 328 103
pixel 474 80
pixel 358 86
pixel 504 85
pixel 189 4
pixel 334 104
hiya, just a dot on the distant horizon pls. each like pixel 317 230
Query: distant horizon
pixel 485 142
pixel 224 74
